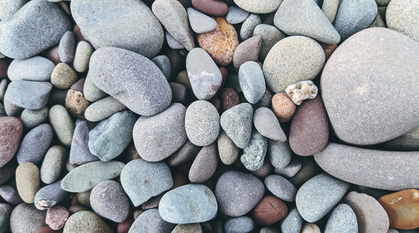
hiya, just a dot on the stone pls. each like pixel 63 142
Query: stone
pixel 370 214
pixel 20 41
pixel 308 169
pixel 408 141
pixel 34 145
pixel 8 8
pixel 310 228
pixel 142 180
pixel 254 153
pixel 200 22
pixel 246 30
pixel 293 222
pixel 179 92
pixel 10 195
pixel 163 62
pixel 318 196
pixel 26 218
pixel 86 176
pixel 279 153
pixel 204 76
pixel 237 124
pixel 76 103
pixel 268 125
pixel 330 8
pixel 7 171
pixel 236 15
pixel 32 69
pixel 67 47
pixel 5 211
pixel 56 217
pixel 63 76
pixel 220 43
pixel 185 154
pixel 79 150
pixel 353 17
pixel 229 98
pixel 28 94
pixel 53 164
pixel 103 108
pixel 211 7
pixel 188 228
pixel 305 55
pixel 11 130
pixel 109 138
pixel 281 187
pixel 202 123
pixel 150 221
pixel 174 18
pixel 270 230
pixel 248 50
pixel 135 81
pixel 238 193
pixel 204 164
pixel 270 210
pixel 259 7
pixel 301 91
pixel 401 15
pixel 227 150
pixel 252 81
pixel 27 181
pixel 91 92
pixel 62 124
pixel 50 195
pixel 86 221
pixel 135 27
pixel 10 108
pixel 172 42
pixel 342 219
pixel 307 19
pixel 283 107
pixel 32 118
pixel 82 56
pixel 4 82
pixel 242 224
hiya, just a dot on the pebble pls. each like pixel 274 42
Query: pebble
pixel 211 7
pixel 242 224
pixel 370 214
pixel 32 118
pixel 86 176
pixel 11 130
pixel 27 181
pixel 309 132
pixel 204 164
pixel 269 210
pixel 63 76
pixel 50 195
pixel 306 56
pixel 76 103
pixel 3 84
pixel 229 98
pixel 103 108
pixel 283 107
pixel 353 17
pixel 82 56
pixel 91 92
pixel 330 8
pixel 188 228
pixel 5 212
pixel 185 154
pixel 221 42
pixel 10 195
pixel 7 171
pixel 342 219
pixel 11 109
pixel 309 168
pixel 401 16
pixel 259 7
pixel 202 123
pixel 310 228
pixel 179 92
pixel 252 81
pixel 293 222
pixel 142 180
pixel 79 150
pixel 238 193
pixel 200 22
pixel 34 145
pixel 401 208
pixel 135 27
pixel 281 188
pixel 174 18
pixel 248 50
pixel 246 30
pixel 227 150
pixel 307 19
pixel 191 203
pixel 67 47
pixel 407 141
pixel 150 221
pixel 56 217
pixel 53 164
pixel 301 91
pixel 109 138
pixel 10 7
pixel 237 124
pixel 62 123
pixel 236 15
pixel 28 94
pixel 19 40
pixel 279 153
pixel 32 69
pixel 143 88
pixel 254 153
pixel 172 42
pixel 163 62
pixel 268 125
pixel 86 221
pixel 26 218
pixel 316 197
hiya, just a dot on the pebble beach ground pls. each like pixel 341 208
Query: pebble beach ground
pixel 208 116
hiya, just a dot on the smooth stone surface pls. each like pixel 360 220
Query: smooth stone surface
pixel 79 150
pixel 242 224
pixel 11 130
pixel 179 92
pixel 172 42
pixel 163 62
pixel 8 8
pixel 268 125
pixel 248 50
pixel 5 212
pixel 191 203
pixel 211 7
pixel 227 150
pixel 10 195
pixel 150 221
pixel 103 108
pixel 252 81
pixel 203 73
pixel 200 22
pixel 142 180
pixel 307 19
pixel 283 107
pixel 202 123
pixel 91 92
pixel 135 28
pixel 132 79
pixel 57 217
pixel 236 15
pixel 86 176
pixel 237 193
pixel 237 123
pixel 81 58
pixel 27 181
pixel 229 98
pixel 204 164
pixel 67 47
pixel 293 59
pixel 62 124
pixel 254 153
pixel 279 153
pixel 293 222
pixel 402 15
pixel 84 222
pixel 246 30
pixel 63 76
pixel 33 118
pixel 27 94
pixel 185 154
pixel 174 18
pixel 26 218
pixel 293 167
pixel 342 219
pixel 281 187
pixel 316 197
pixel 49 195
pixel 409 141
pixel 330 8
pixel 34 145
pixel 109 138
pixel 20 40
pixel 259 7
pixel 32 69
pixel 7 171
pixel 367 88
pixel 53 164
pixel 370 214
pixel 269 211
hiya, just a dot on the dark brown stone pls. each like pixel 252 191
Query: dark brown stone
pixel 179 92
pixel 52 55
pixel 329 49
pixel 269 211
pixel 229 98
pixel 3 68
pixel 211 7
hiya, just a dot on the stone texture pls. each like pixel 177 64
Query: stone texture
pixel 259 7
pixel 254 153
pixel 63 76
pixel 67 47
pixel 26 218
pixel 50 195
pixel 82 56
pixel 293 222
pixel 202 123
pixel 212 7
pixel 32 69
pixel 229 98
pixel 27 181
pixel 227 150
pixel 27 94
pixel 279 153
pixel 270 36
pixel 281 187
pixel 267 124
pixel 237 123
pixel 185 154
pixel 402 15
pixel 204 164
pixel 300 91
pixel 5 211
pixel 53 164
pixel 150 221
pixel 342 219
pixel 269 211
pixel 79 150
pixel 103 108
pixel 10 195
pixel 11 130
pixel 248 50
pixel 76 103
pixel 330 8
pixel 200 22
pixel 252 81
pixel 62 124
pixel 86 221
pixel 91 91
pixel 242 224
pixel 408 141
pixel 236 15
pixel 56 217
pixel 8 8
pixel 246 30
pixel 34 145
pixel 283 107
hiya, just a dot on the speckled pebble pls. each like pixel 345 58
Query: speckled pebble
pixel 237 123
pixel 246 30
pixel 63 76
pixel 79 150
pixel 252 81
pixel 27 181
pixel 270 36
pixel 163 62
pixel 67 47
pixel 53 164
pixel 26 218
pixel 293 222
pixel 34 145
pixel 11 130
pixel 242 224
pixel 56 217
pixel 204 164
pixel 50 195
pixel 28 94
pixel 268 125
pixel 236 15
pixel 281 187
pixel 254 153
pixel 342 219
pixel 32 69
pixel 62 123
pixel 247 50
pixel 200 22
pixel 86 221
pixel 10 195
pixel 227 150
pixel 82 56
pixel 150 221
pixel 33 118
pixel 202 123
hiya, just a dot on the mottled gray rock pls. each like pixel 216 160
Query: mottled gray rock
pixel 267 124
pixel 281 187
pixel 103 108
pixel 202 123
pixel 291 169
pixel 259 7
pixel 67 47
pixel 246 30
pixel 270 36
pixel 185 154
pixel 342 219
pixel 50 195
pixel 25 218
pixel 10 195
pixel 237 193
pixel 134 27
pixel 132 79
pixel 62 123
pixel 402 15
pixel 5 212
pixel 242 224
pixel 371 80
pixel 86 221
pixel 279 153
pixel 34 145
pixel 86 176
pixel 204 164
pixel 9 7
pixel 237 123
pixel 227 150
pixel 293 222
pixel 28 94
pixel 203 73
pixel 32 69
pixel 252 81
pixel 53 164
pixel 82 56
pixel 91 92
pixel 172 42
pixel 330 8
pixel 150 221
pixel 157 137
pixel 142 180
pixel 254 153
pixel 11 109
pixel 163 62
pixel 248 50
pixel 79 151
pixel 200 22
pixel 33 118
pixel 236 15
pixel 37 26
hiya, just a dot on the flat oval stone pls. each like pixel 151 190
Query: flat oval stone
pixel 269 211
pixel 238 192
pixel 242 224
pixel 27 181
pixel 293 59
pixel 28 94
pixel 26 218
pixel 236 15
pixel 319 195
pixel 11 130
pixel 62 123
pixel 200 22
pixel 370 81
pixel 247 50
pixel 293 222
pixel 259 7
pixel 252 81
pixel 33 118
pixel 67 47
pixel 135 28
pixel 86 176
pixel 34 145
pixel 157 137
pixel 19 40
pixel 91 91
pixel 63 76
pixel 237 123
pixel 268 125
pixel 281 187
pixel 186 153
pixel 246 30
pixel 32 69
pixel 79 150
pixel 142 180
pixel 202 123
pixel 53 164
pixel 103 108
pixel 203 74
pixel 342 219
pixel 212 7
pixel 82 56
pixel 270 36
pixel 227 150
pixel 132 79
pixel 50 195
pixel 150 221
pixel 204 164
pixel 279 153
pixel 401 16
pixel 86 221
pixel 188 228
pixel 191 203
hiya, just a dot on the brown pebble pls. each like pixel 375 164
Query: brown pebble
pixel 283 107
pixel 152 203
pixel 65 8
pixel 229 98
pixel 52 55
pixel 75 103
pixel 124 227
pixel 77 33
pixel 217 104
pixel 56 217
pixel 137 213
pixel 329 49
pixel 47 229
pixel 211 7
pixel 84 198
pixel 179 92
pixel 179 179
pixel 269 211
pixel 63 76
pixel 11 129
pixel 3 68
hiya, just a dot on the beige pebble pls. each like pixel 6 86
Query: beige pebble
pixel 81 59
pixel 27 181
pixel 76 103
pixel 310 228
pixel 63 76
pixel 283 107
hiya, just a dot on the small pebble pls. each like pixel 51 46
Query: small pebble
pixel 270 36
pixel 237 123
pixel 33 69
pixel 269 210
pixel 268 125
pixel 204 165
pixel 103 108
pixel 246 30
pixel 82 56
pixel 283 107
pixel 343 219
pixel 200 22
pixel 50 195
pixel 281 187
pixel 53 164
pixel 279 153
pixel 27 181
pixel 62 123
pixel 172 42
pixel 91 92
pixel 79 150
pixel 227 150
pixel 67 47
pixel 150 221
pixel 239 225
pixel 229 98
pixel 63 76
pixel 86 221
pixel 76 103
pixel 185 154
pixel 188 228
pixel 236 15
pixel 10 195
pixel 32 118
pixel 28 94
pixel 259 7
pixel 56 217
pixel 211 7
pixel 252 81
pixel 301 91
pixel 34 145
pixel 254 153
pixel 248 50
pixel 293 222
pixel 163 62
pixel 310 228
pixel 202 123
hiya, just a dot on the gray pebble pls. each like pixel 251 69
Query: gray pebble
pixel 204 165
pixel 163 62
pixel 242 224
pixel 246 30
pixel 34 145
pixel 200 22
pixel 237 123
pixel 11 109
pixel 82 56
pixel 330 8
pixel 259 6
pixel 28 94
pixel 254 153
pixel 151 222
pixel 267 124
pixel 103 108
pixel 79 150
pixel 281 187
pixel 291 169
pixel 293 222
pixel 5 212
pixel 186 153
pixel 252 81
pixel 279 153
pixel 32 69
pixel 227 150
pixel 342 219
pixel 53 164
pixel 409 141
pixel 91 92
pixel 3 87
pixel 67 47
pixel 202 123
pixel 401 16
pixel 236 15
pixel 10 195
pixel 270 36
pixel 172 42
pixel 25 218
pixel 33 118
pixel 9 7
pixel 62 123
pixel 50 195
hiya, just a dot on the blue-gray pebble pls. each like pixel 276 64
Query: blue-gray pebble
pixel 252 81
pixel 342 219
pixel 28 94
pixel 34 145
pixel 200 22
pixel 67 47
pixel 237 123
pixel 32 69
pixel 236 15
pixel 281 187
pixel 279 153
pixel 50 195
pixel 5 211
pixel 293 222
pixel 163 62
pixel 26 218
pixel 202 123
pixel 151 222
pixel 242 224
pixel 79 150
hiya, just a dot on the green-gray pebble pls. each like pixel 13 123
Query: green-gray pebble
pixel 185 154
pixel 62 123
pixel 270 36
pixel 279 153
pixel 237 123
pixel 26 218
pixel 246 31
pixel 5 211
pixel 33 118
pixel 202 123
pixel 91 92
pixel 86 222
pixel 227 150
pixel 103 108
pixel 53 164
pixel 82 56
